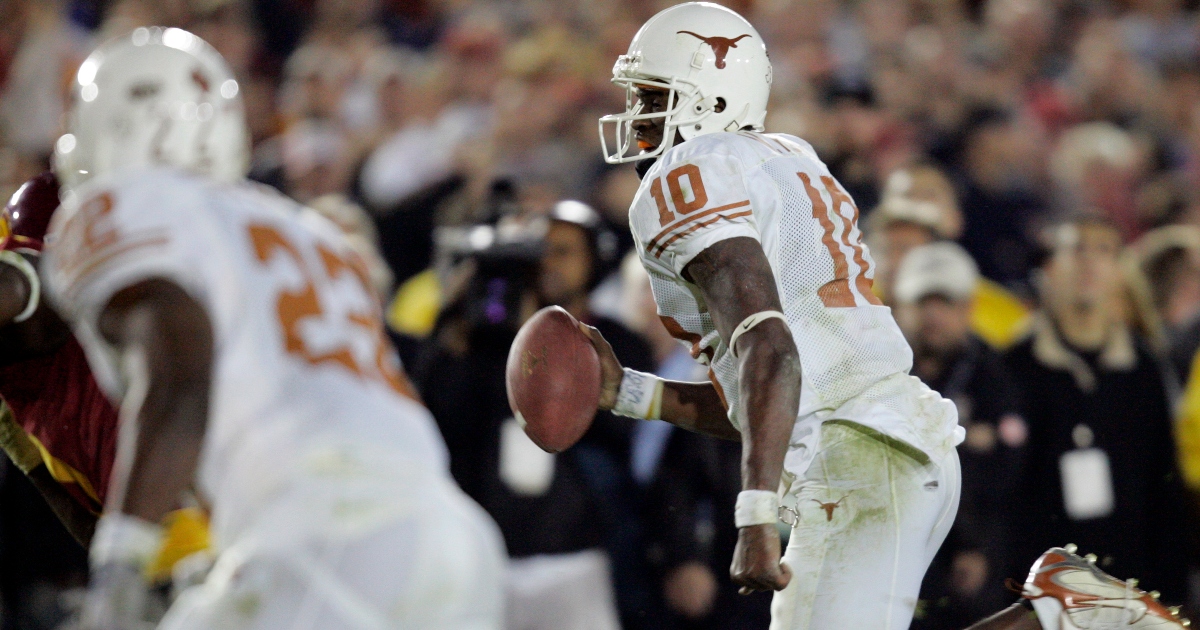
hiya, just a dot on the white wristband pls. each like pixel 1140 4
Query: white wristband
pixel 124 538
pixel 749 323
pixel 35 286
pixel 756 507
pixel 640 396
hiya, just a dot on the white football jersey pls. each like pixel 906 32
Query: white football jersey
pixel 300 354
pixel 774 189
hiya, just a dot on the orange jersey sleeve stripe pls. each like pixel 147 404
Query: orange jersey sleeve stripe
pixel 728 217
pixel 86 267
pixel 686 220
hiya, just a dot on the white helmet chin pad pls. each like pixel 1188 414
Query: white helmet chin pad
pixel 701 53
pixel 157 97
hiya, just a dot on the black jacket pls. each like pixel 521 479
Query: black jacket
pixel 467 397
pixel 1119 395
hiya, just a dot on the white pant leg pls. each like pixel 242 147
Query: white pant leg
pixel 570 591
pixel 438 566
pixel 871 519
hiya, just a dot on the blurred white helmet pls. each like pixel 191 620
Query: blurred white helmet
pixel 159 96
pixel 702 53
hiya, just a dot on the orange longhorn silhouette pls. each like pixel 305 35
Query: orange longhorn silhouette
pixel 829 507
pixel 720 45
pixel 200 80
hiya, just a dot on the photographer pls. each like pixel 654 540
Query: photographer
pixel 559 577
pixel 578 249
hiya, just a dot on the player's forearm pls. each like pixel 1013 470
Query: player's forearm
pixel 171 431
pixel 769 398
pixel 697 407
pixel 166 338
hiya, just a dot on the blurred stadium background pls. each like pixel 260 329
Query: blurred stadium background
pixel 1057 141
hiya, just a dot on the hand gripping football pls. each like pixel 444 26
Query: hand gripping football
pixel 553 379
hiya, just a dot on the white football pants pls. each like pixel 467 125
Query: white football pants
pixel 871 514
pixel 343 548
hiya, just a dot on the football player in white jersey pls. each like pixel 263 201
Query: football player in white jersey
pixel 757 264
pixel 243 339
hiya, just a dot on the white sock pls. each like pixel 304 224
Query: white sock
pixel 1049 613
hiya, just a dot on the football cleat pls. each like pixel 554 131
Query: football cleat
pixel 1068 592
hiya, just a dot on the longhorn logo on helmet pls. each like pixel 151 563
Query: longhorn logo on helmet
pixel 720 45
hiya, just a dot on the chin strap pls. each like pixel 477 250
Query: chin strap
pixel 644 166
pixel 734 125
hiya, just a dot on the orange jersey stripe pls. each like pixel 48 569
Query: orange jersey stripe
pixel 689 219
pixel 697 226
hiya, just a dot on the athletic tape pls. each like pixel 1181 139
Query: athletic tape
pixel 640 396
pixel 756 507
pixel 124 538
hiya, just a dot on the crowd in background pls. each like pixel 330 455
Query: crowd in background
pixel 1028 174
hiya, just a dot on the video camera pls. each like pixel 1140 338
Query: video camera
pixel 501 255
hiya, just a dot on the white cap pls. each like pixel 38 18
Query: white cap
pixel 942 268
pixel 896 209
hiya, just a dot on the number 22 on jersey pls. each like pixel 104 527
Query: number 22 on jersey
pixel 294 307
pixel 837 292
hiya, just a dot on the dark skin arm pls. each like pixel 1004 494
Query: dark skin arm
pixel 693 406
pixel 79 522
pixel 698 407
pixel 157 325
pixel 735 280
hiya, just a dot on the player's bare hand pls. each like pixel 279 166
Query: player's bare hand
pixel 611 371
pixel 756 560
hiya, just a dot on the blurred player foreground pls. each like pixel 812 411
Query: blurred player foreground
pixel 243 339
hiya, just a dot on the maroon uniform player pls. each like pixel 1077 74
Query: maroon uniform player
pixel 56 424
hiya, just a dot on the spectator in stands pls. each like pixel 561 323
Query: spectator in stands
pixel 917 207
pixel 934 289
pixel 1000 201
pixel 1101 469
pixel 1098 167
pixel 689 519
pixel 544 504
pixel 920 206
pixel 1169 261
pixel 577 249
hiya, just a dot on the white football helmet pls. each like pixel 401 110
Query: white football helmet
pixel 159 96
pixel 699 52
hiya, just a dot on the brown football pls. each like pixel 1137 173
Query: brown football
pixel 553 379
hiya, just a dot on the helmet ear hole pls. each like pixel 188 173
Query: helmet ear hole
pixel 720 106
